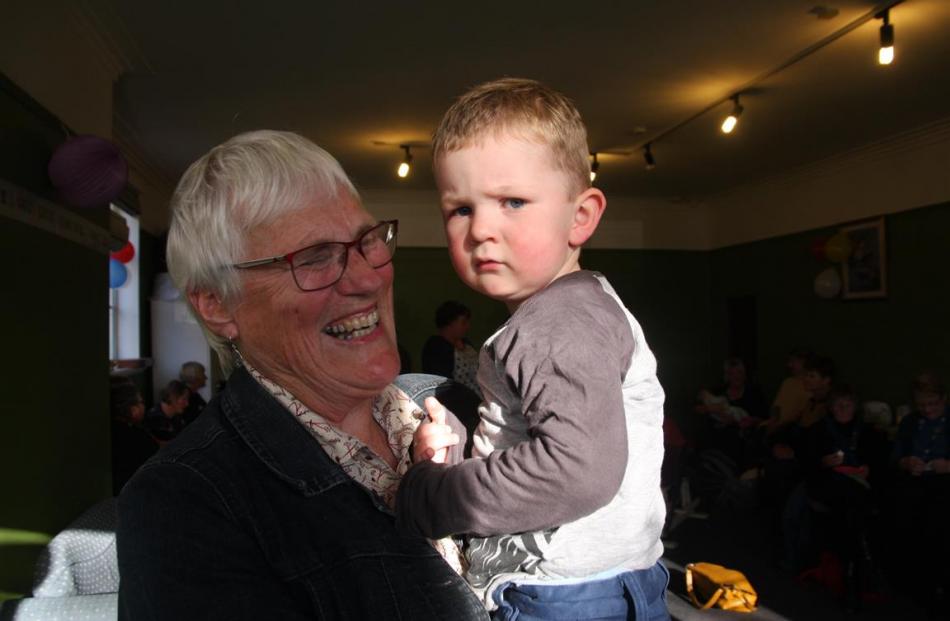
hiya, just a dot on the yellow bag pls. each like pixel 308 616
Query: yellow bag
pixel 718 586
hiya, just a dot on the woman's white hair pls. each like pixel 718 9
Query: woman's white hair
pixel 246 182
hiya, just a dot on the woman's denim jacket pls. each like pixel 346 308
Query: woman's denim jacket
pixel 245 517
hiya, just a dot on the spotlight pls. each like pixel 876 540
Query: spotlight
pixel 648 157
pixel 885 55
pixel 730 123
pixel 594 166
pixel 403 170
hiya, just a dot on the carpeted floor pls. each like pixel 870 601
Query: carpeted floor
pixel 740 541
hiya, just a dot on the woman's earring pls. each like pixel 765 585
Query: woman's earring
pixel 237 352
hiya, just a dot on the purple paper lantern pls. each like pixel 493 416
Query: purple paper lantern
pixel 88 171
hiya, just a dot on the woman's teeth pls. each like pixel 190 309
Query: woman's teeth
pixel 354 327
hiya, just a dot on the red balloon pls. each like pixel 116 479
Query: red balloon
pixel 125 254
pixel 818 248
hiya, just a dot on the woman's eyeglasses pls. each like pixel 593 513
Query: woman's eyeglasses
pixel 322 265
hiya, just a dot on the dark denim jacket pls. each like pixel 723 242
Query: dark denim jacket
pixel 245 517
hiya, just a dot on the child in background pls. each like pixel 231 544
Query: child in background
pixel 562 500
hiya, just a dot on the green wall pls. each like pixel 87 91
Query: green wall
pixel 877 344
pixel 54 402
pixel 54 449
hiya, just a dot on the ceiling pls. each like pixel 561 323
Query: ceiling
pixel 352 74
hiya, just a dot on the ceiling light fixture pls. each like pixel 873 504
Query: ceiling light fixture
pixel 887 36
pixel 885 55
pixel 403 170
pixel 648 156
pixel 730 122
pixel 594 166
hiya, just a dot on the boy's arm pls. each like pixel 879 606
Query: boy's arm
pixel 568 368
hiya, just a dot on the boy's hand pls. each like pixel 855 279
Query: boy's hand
pixel 431 440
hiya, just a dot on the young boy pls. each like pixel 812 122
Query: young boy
pixel 563 501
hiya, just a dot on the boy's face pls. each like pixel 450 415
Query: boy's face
pixel 508 217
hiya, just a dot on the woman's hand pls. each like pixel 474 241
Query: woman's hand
pixel 433 439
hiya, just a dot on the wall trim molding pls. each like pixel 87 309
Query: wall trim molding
pixel 106 32
pixel 898 144
pixel 902 172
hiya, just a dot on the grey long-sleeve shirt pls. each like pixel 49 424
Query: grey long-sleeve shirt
pixel 570 446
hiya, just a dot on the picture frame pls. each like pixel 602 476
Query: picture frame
pixel 864 274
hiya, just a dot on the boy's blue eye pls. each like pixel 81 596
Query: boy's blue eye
pixel 462 211
pixel 515 203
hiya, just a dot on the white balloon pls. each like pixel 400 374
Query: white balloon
pixel 828 283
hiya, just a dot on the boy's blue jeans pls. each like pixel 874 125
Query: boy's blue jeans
pixel 639 595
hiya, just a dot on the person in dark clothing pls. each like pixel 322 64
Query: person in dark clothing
pixel 131 444
pixel 449 353
pixel 732 410
pixel 164 421
pixel 277 503
pixel 784 449
pixel 841 458
pixel 193 375
pixel 920 488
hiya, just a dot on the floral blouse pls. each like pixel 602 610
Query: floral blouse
pixel 398 416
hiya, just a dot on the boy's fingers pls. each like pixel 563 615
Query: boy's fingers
pixel 436 448
pixel 442 441
pixel 431 430
pixel 436 410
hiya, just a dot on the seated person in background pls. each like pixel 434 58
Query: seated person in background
pixel 841 456
pixel 131 444
pixel 921 444
pixel 784 447
pixel 737 401
pixel 792 397
pixel 733 408
pixel 194 377
pixel 921 491
pixel 164 420
pixel 818 376
pixel 449 353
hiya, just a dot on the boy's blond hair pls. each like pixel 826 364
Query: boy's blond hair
pixel 526 109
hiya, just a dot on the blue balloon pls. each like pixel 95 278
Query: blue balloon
pixel 117 274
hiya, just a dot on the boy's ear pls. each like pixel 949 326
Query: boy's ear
pixel 589 207
pixel 217 316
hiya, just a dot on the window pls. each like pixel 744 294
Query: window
pixel 124 301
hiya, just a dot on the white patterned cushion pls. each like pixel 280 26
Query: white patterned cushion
pixel 81 560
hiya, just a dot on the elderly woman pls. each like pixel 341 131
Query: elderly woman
pixel 276 503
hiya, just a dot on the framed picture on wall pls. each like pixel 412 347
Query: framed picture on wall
pixel 865 271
